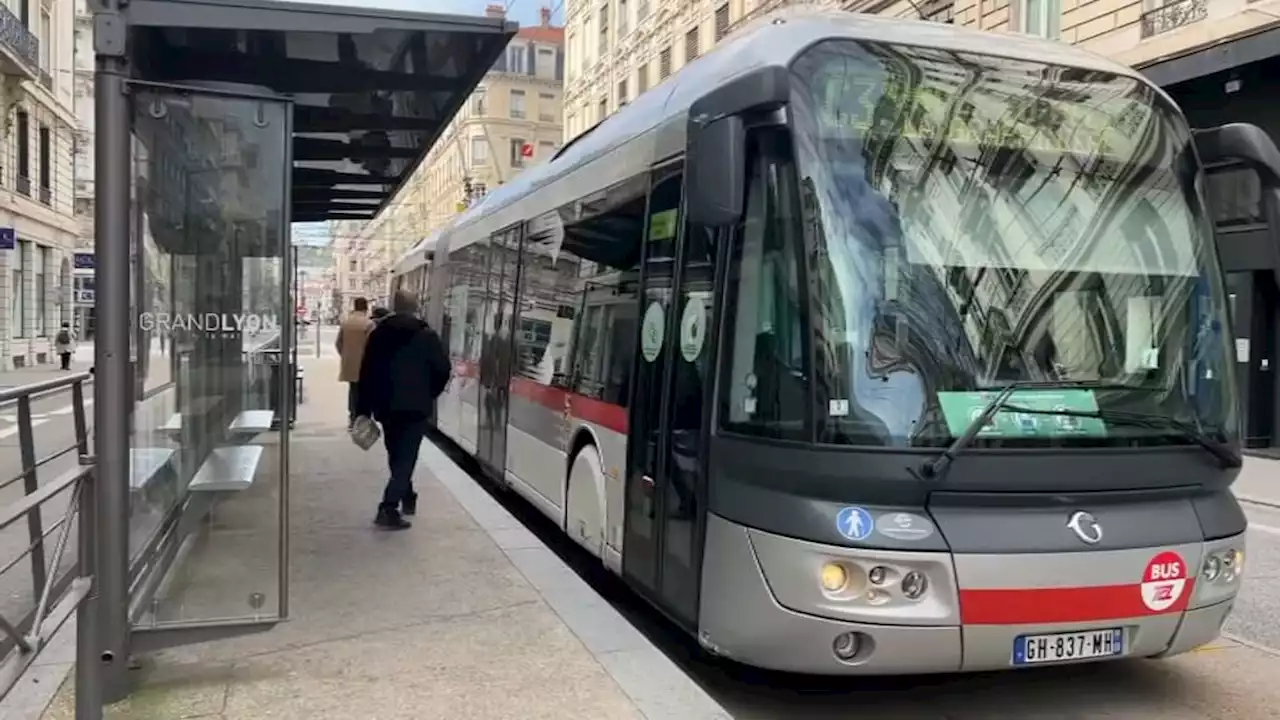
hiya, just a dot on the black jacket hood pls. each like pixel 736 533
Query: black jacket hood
pixel 403 323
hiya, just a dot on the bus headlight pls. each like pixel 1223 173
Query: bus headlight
pixel 914 585
pixel 1223 567
pixel 1212 567
pixel 834 577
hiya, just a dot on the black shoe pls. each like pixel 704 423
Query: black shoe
pixel 389 519
pixel 409 506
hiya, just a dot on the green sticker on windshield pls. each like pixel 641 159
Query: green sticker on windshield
pixel 662 225
pixel 962 408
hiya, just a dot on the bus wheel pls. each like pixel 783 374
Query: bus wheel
pixel 584 515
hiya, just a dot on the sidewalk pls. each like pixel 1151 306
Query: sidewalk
pixel 465 615
pixel 1259 481
pixel 81 361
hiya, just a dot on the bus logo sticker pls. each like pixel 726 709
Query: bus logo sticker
pixel 908 527
pixel 651 331
pixel 693 329
pixel 854 523
pixel 1164 581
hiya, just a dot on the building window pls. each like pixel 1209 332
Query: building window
pixel 939 11
pixel 546 107
pixel 45 38
pixel 46 170
pixel 691 45
pixel 622 92
pixel 479 102
pixel 353 266
pixel 17 308
pixel 1042 17
pixel 622 18
pixel 603 110
pixel 642 11
pixel 546 62
pixel 479 151
pixel 24 152
pixel 664 64
pixel 42 293
pixel 604 29
pixel 546 148
pixel 517 152
pixel 1161 16
pixel 642 79
pixel 517 104
pixel 722 21
pixel 516 55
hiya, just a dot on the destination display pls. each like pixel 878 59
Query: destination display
pixel 960 409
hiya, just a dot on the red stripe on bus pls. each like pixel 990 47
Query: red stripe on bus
pixel 559 400
pixel 1060 605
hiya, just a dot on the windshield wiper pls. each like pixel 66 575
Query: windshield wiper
pixel 935 468
pixel 1227 457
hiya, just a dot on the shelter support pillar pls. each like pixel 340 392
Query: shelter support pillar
pixel 113 401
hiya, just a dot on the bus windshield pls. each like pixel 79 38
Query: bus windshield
pixel 979 221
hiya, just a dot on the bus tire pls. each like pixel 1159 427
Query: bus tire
pixel 584 500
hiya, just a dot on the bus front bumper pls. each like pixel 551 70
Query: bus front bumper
pixel 742 619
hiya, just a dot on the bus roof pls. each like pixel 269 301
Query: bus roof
pixel 652 128
pixel 417 255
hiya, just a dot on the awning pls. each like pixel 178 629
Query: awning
pixel 373 89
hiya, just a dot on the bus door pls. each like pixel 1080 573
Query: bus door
pixel 496 349
pixel 665 483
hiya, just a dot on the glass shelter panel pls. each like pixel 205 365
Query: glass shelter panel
pixel 208 459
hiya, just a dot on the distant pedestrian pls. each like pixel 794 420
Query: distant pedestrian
pixel 353 333
pixel 405 369
pixel 64 345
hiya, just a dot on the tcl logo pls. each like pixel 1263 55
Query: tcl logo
pixel 1165 571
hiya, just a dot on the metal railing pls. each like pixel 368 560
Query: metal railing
pixel 1162 16
pixel 58 593
pixel 15 35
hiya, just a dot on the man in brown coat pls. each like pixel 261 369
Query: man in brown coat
pixel 353 333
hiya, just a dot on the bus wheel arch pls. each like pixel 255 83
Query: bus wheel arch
pixel 584 494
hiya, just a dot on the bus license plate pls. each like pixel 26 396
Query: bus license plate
pixel 1066 647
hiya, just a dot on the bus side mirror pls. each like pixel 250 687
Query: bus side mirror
pixel 1249 144
pixel 715 178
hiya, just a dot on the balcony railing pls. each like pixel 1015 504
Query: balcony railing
pixel 17 38
pixel 1173 15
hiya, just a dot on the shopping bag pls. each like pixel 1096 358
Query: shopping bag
pixel 364 432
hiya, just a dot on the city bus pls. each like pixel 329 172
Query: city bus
pixel 871 346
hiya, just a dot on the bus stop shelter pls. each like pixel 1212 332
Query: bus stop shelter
pixel 219 124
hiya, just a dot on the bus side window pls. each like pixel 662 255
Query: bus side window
pixel 765 390
pixel 608 244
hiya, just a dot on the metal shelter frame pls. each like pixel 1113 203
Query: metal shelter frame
pixel 360 124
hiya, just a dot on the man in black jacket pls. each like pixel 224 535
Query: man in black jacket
pixel 404 370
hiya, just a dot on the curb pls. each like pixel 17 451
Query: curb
pixel 658 688
pixel 1252 500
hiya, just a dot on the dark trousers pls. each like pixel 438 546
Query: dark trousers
pixel 351 401
pixel 402 434
pixel 66 360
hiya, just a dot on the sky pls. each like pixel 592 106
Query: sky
pixel 525 12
